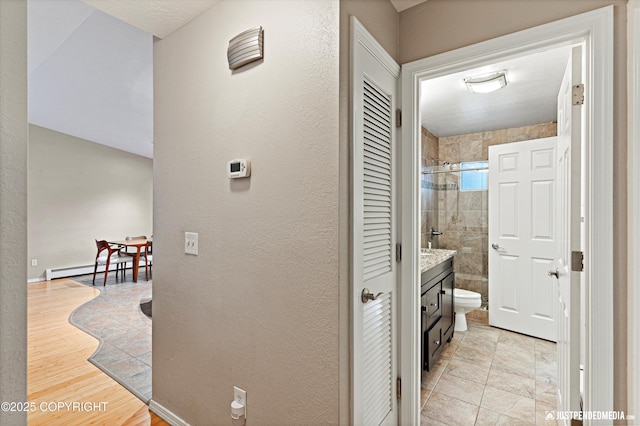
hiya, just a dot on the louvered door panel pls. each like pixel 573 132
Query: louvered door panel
pixel 373 215
pixel 377 182
pixel 377 379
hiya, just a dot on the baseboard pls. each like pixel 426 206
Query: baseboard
pixel 166 414
pixel 72 271
pixel 35 280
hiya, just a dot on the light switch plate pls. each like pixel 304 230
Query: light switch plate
pixel 191 243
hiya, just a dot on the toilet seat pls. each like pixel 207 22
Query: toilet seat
pixel 461 293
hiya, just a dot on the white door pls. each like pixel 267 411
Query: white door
pixel 523 237
pixel 373 209
pixel 569 219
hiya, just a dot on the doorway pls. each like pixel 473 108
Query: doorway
pixel 595 29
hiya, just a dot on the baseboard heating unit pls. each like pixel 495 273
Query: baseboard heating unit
pixel 72 271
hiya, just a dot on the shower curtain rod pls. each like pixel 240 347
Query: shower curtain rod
pixel 430 172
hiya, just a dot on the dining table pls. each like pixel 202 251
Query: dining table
pixel 138 243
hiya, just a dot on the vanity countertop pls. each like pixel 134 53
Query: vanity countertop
pixel 431 257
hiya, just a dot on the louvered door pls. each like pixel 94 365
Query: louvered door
pixel 373 232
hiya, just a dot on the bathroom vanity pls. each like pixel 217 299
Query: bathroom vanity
pixel 437 283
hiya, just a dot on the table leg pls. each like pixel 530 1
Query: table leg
pixel 136 264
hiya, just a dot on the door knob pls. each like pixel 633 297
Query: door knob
pixel 366 296
pixel 555 273
pixel 495 246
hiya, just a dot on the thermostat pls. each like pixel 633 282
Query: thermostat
pixel 238 169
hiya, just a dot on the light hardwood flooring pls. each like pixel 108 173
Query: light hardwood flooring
pixel 58 370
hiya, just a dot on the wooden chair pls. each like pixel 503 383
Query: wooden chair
pixel 146 253
pixel 112 255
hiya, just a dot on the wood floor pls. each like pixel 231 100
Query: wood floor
pixel 58 371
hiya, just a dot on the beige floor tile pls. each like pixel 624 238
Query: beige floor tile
pixel 450 411
pixel 491 418
pixel 472 354
pixel 545 346
pixel 545 416
pixel 488 332
pixel 490 376
pixel 545 387
pixel 547 399
pixel 468 370
pixel 508 364
pixel 507 403
pixel 479 341
pixel 514 383
pixel 516 352
pixel 464 390
pixel 426 421
pixel 430 378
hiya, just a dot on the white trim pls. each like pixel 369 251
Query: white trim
pixel 596 28
pixel 633 307
pixel 360 34
pixel 166 414
pixel 360 37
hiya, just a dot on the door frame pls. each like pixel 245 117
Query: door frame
pixel 633 307
pixel 596 29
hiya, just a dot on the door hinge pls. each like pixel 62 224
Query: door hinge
pixel 398 387
pixel 398 117
pixel 398 252
pixel 577 261
pixel 577 94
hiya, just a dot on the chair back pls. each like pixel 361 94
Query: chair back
pixel 141 237
pixel 102 245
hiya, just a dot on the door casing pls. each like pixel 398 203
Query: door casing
pixel 595 28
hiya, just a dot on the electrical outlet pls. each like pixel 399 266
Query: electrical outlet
pixel 34 262
pixel 191 243
pixel 240 396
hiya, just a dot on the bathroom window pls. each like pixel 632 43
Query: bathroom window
pixel 473 180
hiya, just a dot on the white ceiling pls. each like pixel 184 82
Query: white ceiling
pixel 401 5
pixel 448 109
pixel 91 75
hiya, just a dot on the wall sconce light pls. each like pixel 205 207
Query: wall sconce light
pixel 487 83
pixel 245 48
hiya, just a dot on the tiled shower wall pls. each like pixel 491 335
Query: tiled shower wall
pixel 462 216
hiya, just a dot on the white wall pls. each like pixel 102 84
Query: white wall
pixel 80 191
pixel 258 307
pixel 13 208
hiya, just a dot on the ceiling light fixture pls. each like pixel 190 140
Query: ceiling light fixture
pixel 486 83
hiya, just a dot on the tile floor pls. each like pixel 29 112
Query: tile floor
pixel 115 319
pixel 489 376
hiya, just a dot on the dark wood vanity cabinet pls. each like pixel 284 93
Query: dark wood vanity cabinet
pixel 437 286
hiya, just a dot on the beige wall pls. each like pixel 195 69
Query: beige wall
pixel 441 25
pixel 80 191
pixel 258 307
pixel 13 207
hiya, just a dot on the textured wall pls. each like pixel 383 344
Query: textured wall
pixel 259 306
pixel 13 207
pixel 438 26
pixel 80 191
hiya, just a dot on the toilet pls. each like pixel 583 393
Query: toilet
pixel 464 301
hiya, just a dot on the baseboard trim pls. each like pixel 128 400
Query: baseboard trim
pixel 35 280
pixel 166 414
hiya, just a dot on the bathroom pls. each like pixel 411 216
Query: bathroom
pixel 460 215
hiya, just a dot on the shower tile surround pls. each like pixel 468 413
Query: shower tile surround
pixel 462 216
